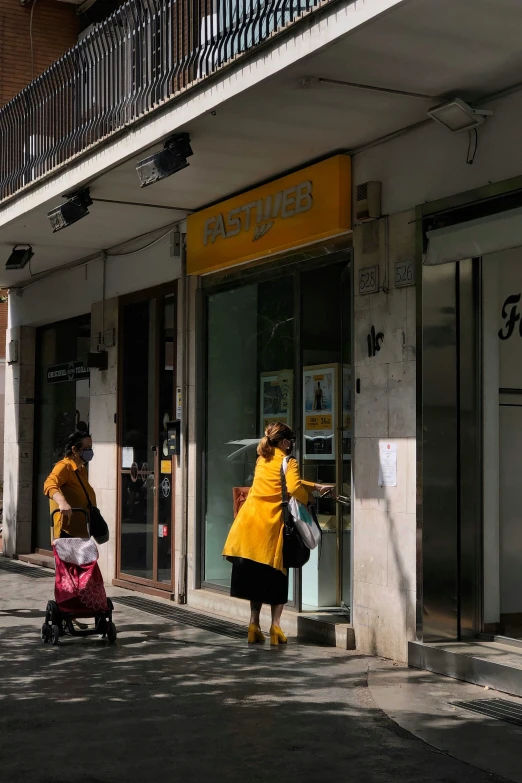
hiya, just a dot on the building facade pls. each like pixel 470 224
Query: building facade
pixel 329 255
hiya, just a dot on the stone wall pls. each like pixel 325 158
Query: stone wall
pixel 104 399
pixel 19 443
pixel 384 518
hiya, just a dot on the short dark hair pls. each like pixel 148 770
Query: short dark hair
pixel 76 440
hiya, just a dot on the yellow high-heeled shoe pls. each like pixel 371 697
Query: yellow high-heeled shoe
pixel 277 636
pixel 255 634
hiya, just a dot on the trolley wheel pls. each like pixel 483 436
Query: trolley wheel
pixel 112 633
pixel 55 634
pixel 46 633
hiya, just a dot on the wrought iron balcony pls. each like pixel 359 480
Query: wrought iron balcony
pixel 139 58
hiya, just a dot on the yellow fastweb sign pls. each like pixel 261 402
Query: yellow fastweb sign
pixel 296 210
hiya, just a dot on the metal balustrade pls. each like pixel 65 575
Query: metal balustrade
pixel 141 56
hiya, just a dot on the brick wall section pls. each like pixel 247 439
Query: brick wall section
pixel 55 29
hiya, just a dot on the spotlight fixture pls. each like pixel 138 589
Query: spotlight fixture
pixel 20 257
pixel 169 160
pixel 75 208
pixel 457 116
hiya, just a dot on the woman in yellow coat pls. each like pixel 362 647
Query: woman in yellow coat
pixel 255 542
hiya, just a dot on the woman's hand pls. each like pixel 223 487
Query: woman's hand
pixel 65 509
pixel 324 489
pixel 63 505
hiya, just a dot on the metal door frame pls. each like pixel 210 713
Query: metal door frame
pixel 468 534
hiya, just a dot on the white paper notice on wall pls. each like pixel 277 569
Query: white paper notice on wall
pixel 387 464
pixel 127 457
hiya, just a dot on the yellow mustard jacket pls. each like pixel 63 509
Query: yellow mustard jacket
pixel 64 478
pixel 257 531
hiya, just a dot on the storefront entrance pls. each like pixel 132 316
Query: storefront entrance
pixel 471 427
pixel 62 404
pixel 279 348
pixel 147 472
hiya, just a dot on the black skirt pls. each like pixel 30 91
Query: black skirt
pixel 258 582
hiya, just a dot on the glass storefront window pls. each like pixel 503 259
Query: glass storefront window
pixel 250 380
pixel 63 403
pixel 502 421
pixel 253 378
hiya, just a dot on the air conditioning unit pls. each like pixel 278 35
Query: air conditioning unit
pixel 368 201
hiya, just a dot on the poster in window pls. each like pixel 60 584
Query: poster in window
pixel 276 397
pixel 319 411
pixel 347 412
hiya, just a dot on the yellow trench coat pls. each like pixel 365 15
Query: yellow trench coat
pixel 257 531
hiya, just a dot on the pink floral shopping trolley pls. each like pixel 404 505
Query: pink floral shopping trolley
pixel 79 591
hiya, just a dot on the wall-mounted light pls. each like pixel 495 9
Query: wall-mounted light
pixel 169 160
pixel 457 116
pixel 20 257
pixel 75 208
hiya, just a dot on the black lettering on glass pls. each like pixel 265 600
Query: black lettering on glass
pixel 511 318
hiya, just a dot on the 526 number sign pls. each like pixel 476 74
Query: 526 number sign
pixel 404 273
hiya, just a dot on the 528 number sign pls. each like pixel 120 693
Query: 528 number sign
pixel 369 280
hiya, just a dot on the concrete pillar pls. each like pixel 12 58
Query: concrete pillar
pixel 384 518
pixel 192 520
pixel 103 474
pixel 19 443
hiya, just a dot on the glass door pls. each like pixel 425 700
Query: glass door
pixel 345 484
pixel 147 471
pixel 63 404
pixel 326 427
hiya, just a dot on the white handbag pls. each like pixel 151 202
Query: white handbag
pixel 305 523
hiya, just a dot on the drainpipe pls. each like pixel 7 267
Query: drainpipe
pixel 184 383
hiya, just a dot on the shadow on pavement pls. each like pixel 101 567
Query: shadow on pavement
pixel 168 703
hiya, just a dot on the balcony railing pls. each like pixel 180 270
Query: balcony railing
pixel 141 56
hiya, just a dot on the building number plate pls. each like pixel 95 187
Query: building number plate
pixel 369 280
pixel 404 273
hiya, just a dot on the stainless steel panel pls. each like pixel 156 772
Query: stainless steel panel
pixel 470 449
pixel 439 467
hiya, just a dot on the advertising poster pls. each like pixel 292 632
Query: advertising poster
pixel 319 401
pixel 276 398
pixel 347 412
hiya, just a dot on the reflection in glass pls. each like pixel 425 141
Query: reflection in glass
pixel 166 414
pixel 63 406
pixel 325 305
pixel 139 438
pixel 250 377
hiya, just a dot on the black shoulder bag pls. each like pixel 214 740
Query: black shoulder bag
pixel 98 527
pixel 295 553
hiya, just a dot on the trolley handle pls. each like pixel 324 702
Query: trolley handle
pixel 74 510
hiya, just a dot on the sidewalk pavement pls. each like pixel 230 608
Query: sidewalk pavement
pixel 170 702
